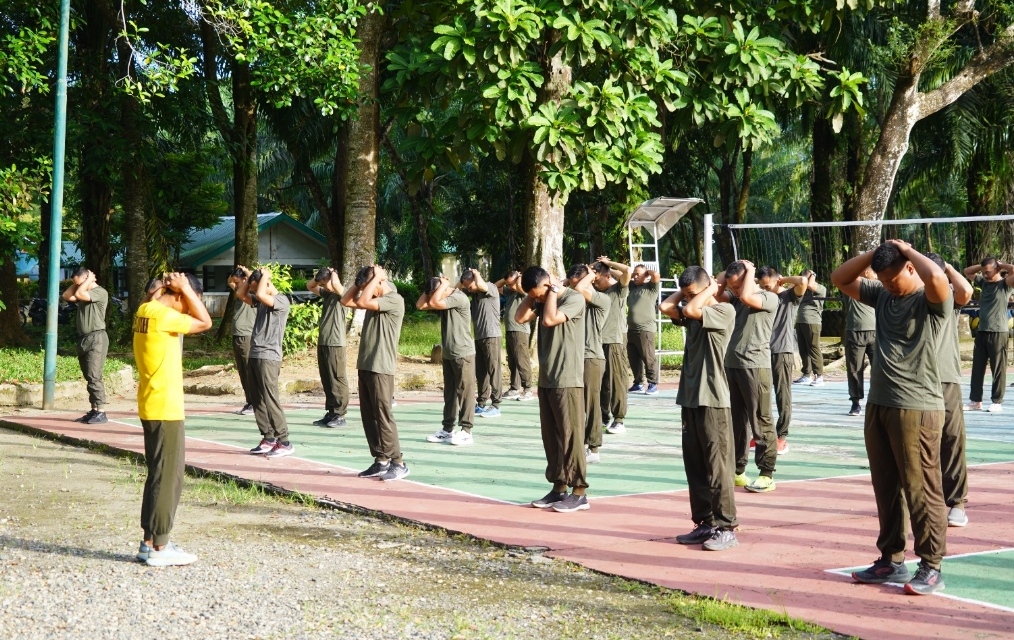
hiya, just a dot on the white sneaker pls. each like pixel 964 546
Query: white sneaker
pixel 440 436
pixel 591 458
pixel 973 406
pixel 995 407
pixel 169 556
pixel 616 427
pixel 461 438
pixel 818 381
pixel 802 380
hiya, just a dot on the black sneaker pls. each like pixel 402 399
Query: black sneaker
pixel 883 570
pixel 328 417
pixel 721 540
pixel 549 499
pixel 571 503
pixel 97 417
pixel 247 410
pixel 375 470
pixel 926 581
pixel 335 422
pixel 395 472
pixel 855 410
pixel 701 533
pixel 86 417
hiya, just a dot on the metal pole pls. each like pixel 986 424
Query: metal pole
pixel 709 241
pixel 56 219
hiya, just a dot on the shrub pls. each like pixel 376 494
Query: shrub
pixel 302 328
pixel 299 284
pixel 281 275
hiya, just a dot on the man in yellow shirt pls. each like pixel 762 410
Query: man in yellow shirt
pixel 174 308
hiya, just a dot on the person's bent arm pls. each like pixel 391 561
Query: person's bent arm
pixel 368 298
pixel 82 295
pixel 200 319
pixel 621 272
pixel 243 287
pixel 261 293
pixel 722 295
pixel 798 284
pixel 972 270
pixel 336 283
pixel 349 299
pixel 938 288
pixel 68 293
pixel 654 276
pixel 423 303
pixel 695 308
pixel 584 286
pixel 526 311
pixel 438 301
pixel 962 287
pixel 670 306
pixel 480 284
pixel 551 315
pixel 751 294
pixel 849 276
pixel 313 286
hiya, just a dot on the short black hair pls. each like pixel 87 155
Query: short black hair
pixel 735 269
pixel 153 285
pixel 364 275
pixel 887 256
pixel 195 283
pixel 432 285
pixel 986 262
pixel 767 272
pixel 694 275
pixel 601 268
pixel 323 274
pixel 937 260
pixel 577 271
pixel 533 277
pixel 81 271
pixel 467 275
pixel 255 276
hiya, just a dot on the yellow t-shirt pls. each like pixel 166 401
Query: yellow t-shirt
pixel 158 354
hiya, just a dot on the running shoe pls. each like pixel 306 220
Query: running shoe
pixel 742 480
pixel 375 470
pixel 804 379
pixel 591 457
pixel 701 533
pixel 926 581
pixel 636 388
pixel 99 417
pixel 571 503
pixel 783 446
pixel 527 394
pixel 721 540
pixel 265 446
pixel 763 484
pixel 994 407
pixel 280 450
pixel 169 556
pixel 616 427
pixel 323 421
pixel 549 499
pixel 855 410
pixel 881 571
pixel 461 438
pixel 817 382
pixel 440 436
pixel 247 410
pixel 651 390
pixel 395 472
pixel 490 412
pixel 337 421
pixel 956 517
pixel 973 406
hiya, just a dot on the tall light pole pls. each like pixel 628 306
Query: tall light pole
pixel 56 219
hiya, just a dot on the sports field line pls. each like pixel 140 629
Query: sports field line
pixel 349 469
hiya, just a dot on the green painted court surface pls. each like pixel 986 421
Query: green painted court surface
pixel 978 577
pixel 507 461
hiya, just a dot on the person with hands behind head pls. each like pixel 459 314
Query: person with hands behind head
pixel 173 308
pixel 93 342
pixel 485 310
pixel 458 353
pixel 613 279
pixel 331 347
pixel 703 397
pixel 995 289
pixel 748 367
pixel 378 357
pixel 597 304
pixel 243 316
pixel 859 340
pixel 266 361
pixel 642 324
pixel 519 356
pixel 561 378
pixel 808 324
pixel 905 412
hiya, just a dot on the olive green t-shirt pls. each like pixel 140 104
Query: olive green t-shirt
pixel 269 329
pixel 783 329
pixel 486 313
pixel 561 348
pixel 993 304
pixel 642 305
pixel 702 379
pixel 616 320
pixel 595 313
pixel 810 309
pixel 513 300
pixel 906 364
pixel 91 316
pixel 332 320
pixel 378 346
pixel 243 316
pixel 750 345
pixel 949 353
pixel 859 316
pixel 455 327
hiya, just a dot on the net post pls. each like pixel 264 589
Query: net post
pixel 709 241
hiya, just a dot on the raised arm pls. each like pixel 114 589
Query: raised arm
pixel 962 287
pixel 751 294
pixel 526 310
pixel 551 315
pixel 799 284
pixel 200 318
pixel 695 308
pixel 722 295
pixel 620 271
pixel 78 292
pixel 243 287
pixel 1009 278
pixel 367 298
pixel 849 275
pixel 670 306
pixel 69 294
pixel 938 288
pixel 313 286
pixel 972 270
pixel 336 282
pixel 438 301
pixel 653 276
pixel 261 291
pixel 584 285
pixel 480 284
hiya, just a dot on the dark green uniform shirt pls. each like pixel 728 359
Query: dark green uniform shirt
pixel 859 316
pixel 332 320
pixel 949 354
pixel 906 364
pixel 243 316
pixel 642 315
pixel 993 304
pixel 269 329
pixel 378 346
pixel 91 316
pixel 750 345
pixel 616 320
pixel 595 314
pixel 513 300
pixel 561 348
pixel 486 313
pixel 702 378
pixel 455 327
pixel 810 310
pixel 783 330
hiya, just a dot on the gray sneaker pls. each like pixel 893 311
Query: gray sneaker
pixel 142 551
pixel 395 472
pixel 170 556
pixel 956 517
pixel 721 540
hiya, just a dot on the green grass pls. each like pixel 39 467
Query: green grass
pixel 191 362
pixel 418 335
pixel 19 364
pixel 672 340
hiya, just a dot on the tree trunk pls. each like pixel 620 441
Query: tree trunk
pixel 133 201
pixel 244 166
pixel 823 239
pixel 744 188
pixel 96 213
pixel 10 316
pixel 422 223
pixel 362 154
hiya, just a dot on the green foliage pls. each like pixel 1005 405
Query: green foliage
pixel 299 284
pixel 22 54
pixel 302 328
pixel 755 623
pixel 27 365
pixel 418 334
pixel 281 275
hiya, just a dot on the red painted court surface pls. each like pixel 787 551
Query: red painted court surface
pixel 795 543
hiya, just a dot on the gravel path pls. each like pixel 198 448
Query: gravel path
pixel 272 569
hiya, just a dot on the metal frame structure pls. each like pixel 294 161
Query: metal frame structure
pixel 657 216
